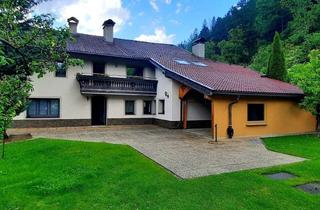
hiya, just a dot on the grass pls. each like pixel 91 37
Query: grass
pixel 55 174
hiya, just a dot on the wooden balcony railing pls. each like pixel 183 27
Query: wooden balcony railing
pixel 105 85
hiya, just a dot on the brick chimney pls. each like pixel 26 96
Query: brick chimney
pixel 73 24
pixel 108 30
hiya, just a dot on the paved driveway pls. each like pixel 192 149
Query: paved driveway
pixel 186 153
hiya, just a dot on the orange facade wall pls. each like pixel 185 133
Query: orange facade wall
pixel 282 116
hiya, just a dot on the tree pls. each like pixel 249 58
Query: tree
pixel 234 51
pixel 29 46
pixel 305 15
pixel 307 77
pixel 212 51
pixel 259 61
pixel 276 66
pixel 271 17
pixel 212 25
pixel 205 32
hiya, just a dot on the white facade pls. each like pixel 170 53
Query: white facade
pixel 74 105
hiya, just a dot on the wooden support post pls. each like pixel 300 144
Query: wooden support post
pixel 185 113
pixel 212 119
pixel 183 91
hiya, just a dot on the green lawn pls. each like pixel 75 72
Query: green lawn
pixel 47 174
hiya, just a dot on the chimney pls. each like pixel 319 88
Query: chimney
pixel 73 24
pixel 198 47
pixel 108 30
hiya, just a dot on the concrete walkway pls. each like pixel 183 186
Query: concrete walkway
pixel 186 153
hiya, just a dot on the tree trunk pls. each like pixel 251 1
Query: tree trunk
pixel 318 117
pixel 5 135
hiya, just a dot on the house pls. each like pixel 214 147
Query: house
pixel 132 82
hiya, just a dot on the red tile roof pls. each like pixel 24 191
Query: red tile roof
pixel 218 77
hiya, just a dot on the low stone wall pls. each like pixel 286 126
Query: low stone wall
pixel 168 124
pixel 51 123
pixel 130 121
pixel 45 123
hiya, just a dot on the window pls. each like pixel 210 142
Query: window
pixel 43 108
pixel 161 107
pixel 255 112
pixel 199 64
pixel 134 72
pixel 182 62
pixel 61 70
pixel 147 107
pixel 98 68
pixel 129 107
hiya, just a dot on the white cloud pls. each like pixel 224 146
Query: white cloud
pixel 179 8
pixel 167 1
pixel 91 13
pixel 182 8
pixel 159 36
pixel 154 5
pixel 174 22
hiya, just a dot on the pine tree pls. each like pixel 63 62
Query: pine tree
pixel 277 67
pixel 205 31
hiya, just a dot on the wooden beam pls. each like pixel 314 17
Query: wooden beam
pixel 207 97
pixel 212 119
pixel 183 91
pixel 185 113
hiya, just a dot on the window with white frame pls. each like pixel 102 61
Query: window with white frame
pixel 61 70
pixel 43 108
pixel 147 107
pixel 129 107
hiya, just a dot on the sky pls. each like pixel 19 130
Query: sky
pixel 162 21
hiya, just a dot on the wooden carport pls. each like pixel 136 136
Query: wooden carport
pixel 183 91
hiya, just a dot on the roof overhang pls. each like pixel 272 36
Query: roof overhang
pixel 258 94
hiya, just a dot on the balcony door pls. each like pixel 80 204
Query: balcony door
pixel 98 110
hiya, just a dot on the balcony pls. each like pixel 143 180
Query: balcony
pixel 105 85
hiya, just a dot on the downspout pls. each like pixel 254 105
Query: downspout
pixel 180 123
pixel 318 117
pixel 230 130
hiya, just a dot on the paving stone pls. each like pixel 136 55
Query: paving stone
pixel 312 188
pixel 280 176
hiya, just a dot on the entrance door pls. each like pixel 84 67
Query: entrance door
pixel 98 110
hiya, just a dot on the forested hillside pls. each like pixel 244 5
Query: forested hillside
pixel 244 36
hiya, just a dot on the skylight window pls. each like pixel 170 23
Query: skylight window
pixel 183 62
pixel 199 64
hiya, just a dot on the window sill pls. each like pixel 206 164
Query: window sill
pixel 43 118
pixel 256 123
